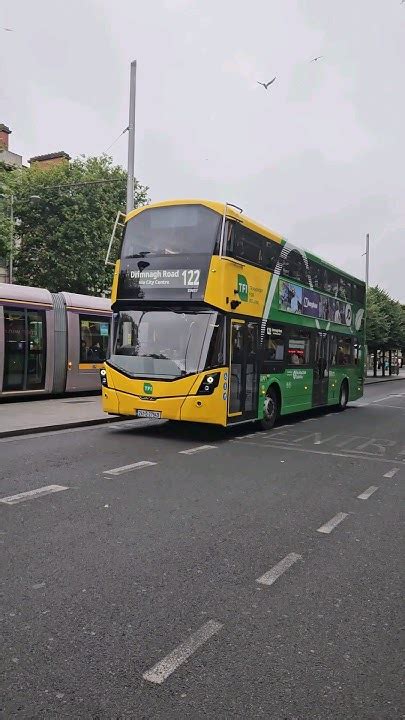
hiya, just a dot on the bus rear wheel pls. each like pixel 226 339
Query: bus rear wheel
pixel 343 396
pixel 270 410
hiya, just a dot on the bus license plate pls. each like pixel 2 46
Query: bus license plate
pixel 148 413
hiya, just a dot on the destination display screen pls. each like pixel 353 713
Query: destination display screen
pixel 164 278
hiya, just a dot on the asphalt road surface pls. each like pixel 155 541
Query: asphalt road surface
pixel 171 572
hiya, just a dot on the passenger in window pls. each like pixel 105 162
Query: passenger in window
pixel 95 353
pixel 83 351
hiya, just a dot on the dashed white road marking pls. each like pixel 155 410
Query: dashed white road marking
pixel 366 494
pixel 191 451
pixel 177 657
pixel 274 573
pixel 32 494
pixel 331 524
pixel 128 468
pixel 391 473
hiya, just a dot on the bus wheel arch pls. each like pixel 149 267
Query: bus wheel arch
pixel 271 407
pixel 343 394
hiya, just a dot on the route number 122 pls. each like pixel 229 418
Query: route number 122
pixel 191 277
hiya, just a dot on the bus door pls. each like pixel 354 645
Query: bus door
pixel 321 370
pixel 244 370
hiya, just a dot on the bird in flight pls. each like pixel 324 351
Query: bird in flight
pixel 266 85
pixel 8 29
pixel 319 57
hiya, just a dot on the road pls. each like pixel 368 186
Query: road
pixel 244 579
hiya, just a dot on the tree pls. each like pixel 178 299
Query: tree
pixel 377 321
pixel 385 325
pixel 8 181
pixel 66 214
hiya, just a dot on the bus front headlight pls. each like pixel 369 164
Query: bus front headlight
pixel 208 385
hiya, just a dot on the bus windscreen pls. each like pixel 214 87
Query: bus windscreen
pixel 171 230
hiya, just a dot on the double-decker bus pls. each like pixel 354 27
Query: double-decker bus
pixel 218 320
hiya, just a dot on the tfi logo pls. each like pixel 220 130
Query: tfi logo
pixel 148 388
pixel 243 287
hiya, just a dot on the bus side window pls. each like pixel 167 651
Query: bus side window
pixel 294 267
pixel 247 245
pixel 271 254
pixel 298 347
pixel 344 351
pixel 356 351
pixel 333 345
pixel 274 344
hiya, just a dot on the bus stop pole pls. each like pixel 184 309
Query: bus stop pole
pixel 131 138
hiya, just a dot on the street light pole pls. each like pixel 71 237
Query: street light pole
pixel 10 274
pixel 131 138
pixel 367 253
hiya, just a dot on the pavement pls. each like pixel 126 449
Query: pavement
pixel 22 416
pixel 370 379
pixel 161 571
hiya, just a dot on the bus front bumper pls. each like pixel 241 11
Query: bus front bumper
pixel 190 408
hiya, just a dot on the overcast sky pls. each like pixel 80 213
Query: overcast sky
pixel 319 157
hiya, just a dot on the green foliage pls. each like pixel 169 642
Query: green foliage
pixel 65 231
pixel 385 326
pixel 8 184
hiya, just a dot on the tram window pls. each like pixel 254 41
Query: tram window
pixel 94 334
pixel 36 349
pixel 298 347
pixel 274 343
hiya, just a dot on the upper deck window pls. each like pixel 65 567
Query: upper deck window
pixel 172 230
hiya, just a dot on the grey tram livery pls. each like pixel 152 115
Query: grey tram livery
pixel 51 342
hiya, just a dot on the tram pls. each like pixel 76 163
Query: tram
pixel 51 343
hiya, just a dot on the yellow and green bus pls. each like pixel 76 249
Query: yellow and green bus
pixel 217 319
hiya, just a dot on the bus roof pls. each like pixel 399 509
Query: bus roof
pixel 232 212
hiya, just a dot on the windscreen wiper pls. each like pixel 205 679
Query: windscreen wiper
pixel 142 254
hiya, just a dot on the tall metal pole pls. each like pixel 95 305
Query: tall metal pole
pixel 367 253
pixel 131 138
pixel 367 259
pixel 11 239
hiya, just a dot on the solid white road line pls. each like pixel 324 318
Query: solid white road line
pixel 272 575
pixel 294 448
pixel 366 494
pixel 331 524
pixel 128 468
pixel 391 473
pixel 177 657
pixel 32 494
pixel 191 451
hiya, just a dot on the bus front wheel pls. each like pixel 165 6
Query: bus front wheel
pixel 343 396
pixel 270 410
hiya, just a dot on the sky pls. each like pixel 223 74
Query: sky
pixel 319 157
